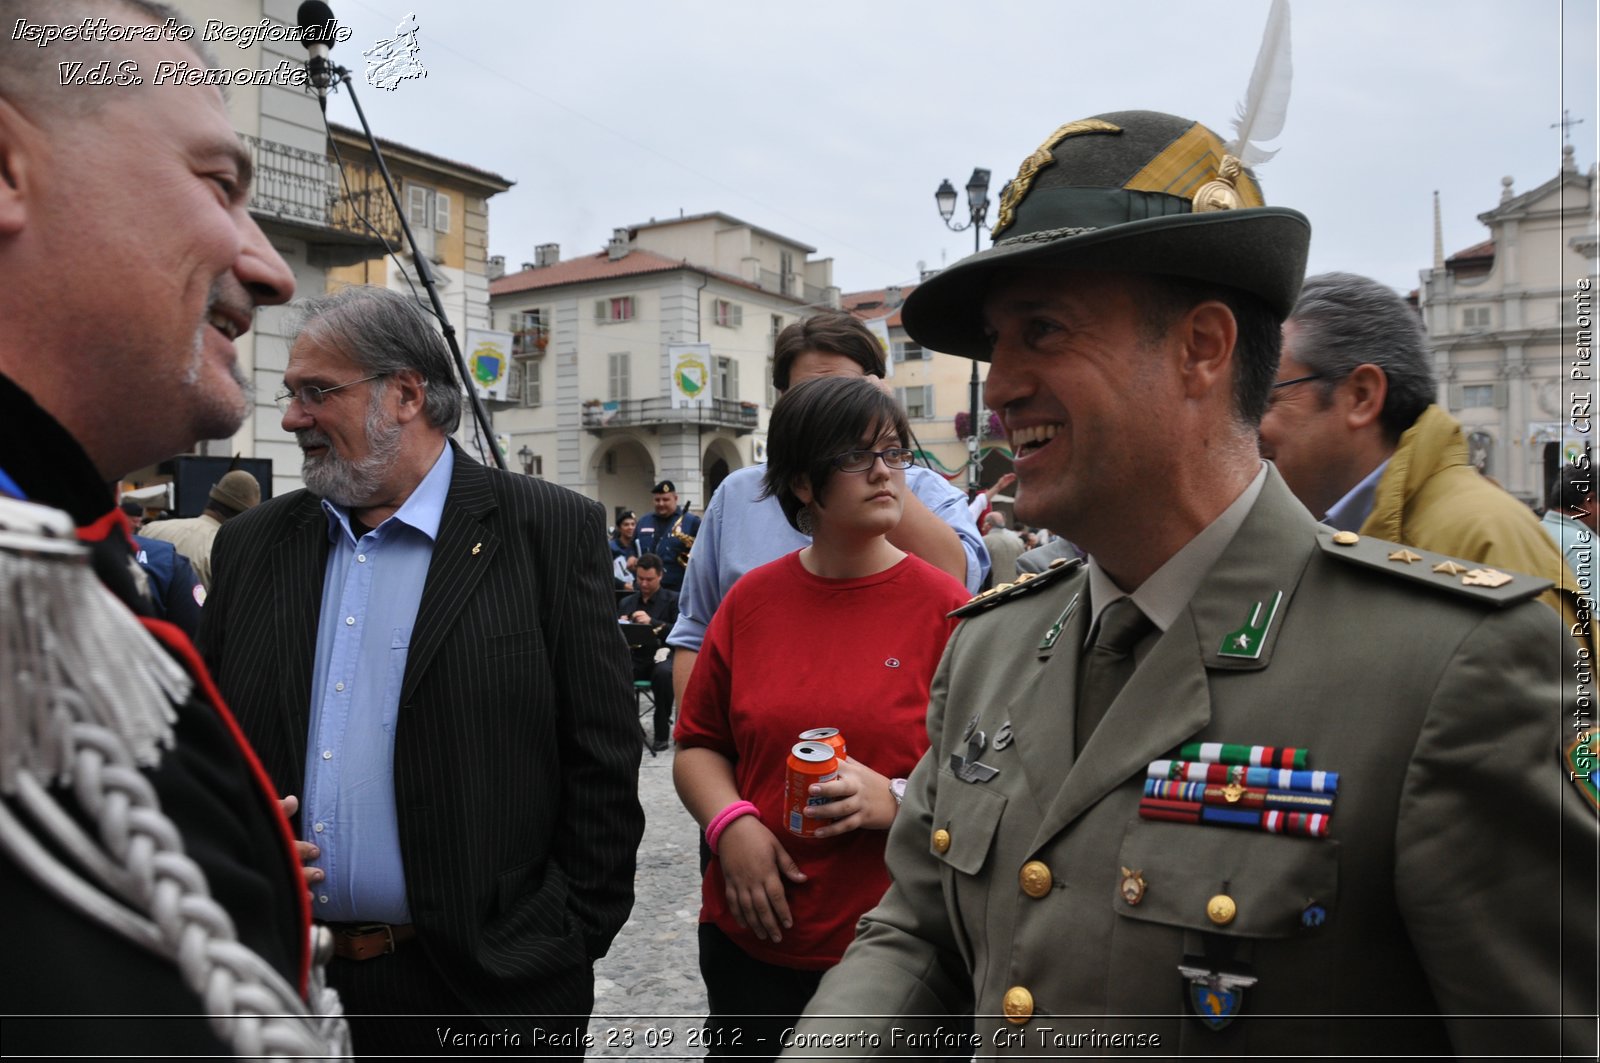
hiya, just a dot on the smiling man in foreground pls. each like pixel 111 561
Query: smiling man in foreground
pixel 1238 786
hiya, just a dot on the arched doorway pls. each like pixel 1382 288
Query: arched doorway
pixel 721 458
pixel 623 474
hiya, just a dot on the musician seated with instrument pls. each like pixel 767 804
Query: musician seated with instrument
pixel 653 604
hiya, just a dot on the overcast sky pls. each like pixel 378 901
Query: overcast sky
pixel 833 121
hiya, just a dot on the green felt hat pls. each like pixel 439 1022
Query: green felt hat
pixel 1129 191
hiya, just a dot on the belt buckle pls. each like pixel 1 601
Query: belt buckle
pixel 372 928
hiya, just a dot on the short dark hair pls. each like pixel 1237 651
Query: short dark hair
pixel 1573 485
pixel 650 561
pixel 1343 320
pixel 833 331
pixel 1255 351
pixel 385 332
pixel 816 421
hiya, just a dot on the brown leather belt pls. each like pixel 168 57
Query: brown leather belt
pixel 366 941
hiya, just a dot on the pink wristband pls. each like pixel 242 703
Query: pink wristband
pixel 720 821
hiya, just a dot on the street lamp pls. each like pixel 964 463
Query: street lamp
pixel 977 221
pixel 526 454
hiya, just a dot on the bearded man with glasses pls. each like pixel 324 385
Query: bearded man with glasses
pixel 423 651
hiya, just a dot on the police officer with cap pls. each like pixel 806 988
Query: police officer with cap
pixel 1240 785
pixel 667 531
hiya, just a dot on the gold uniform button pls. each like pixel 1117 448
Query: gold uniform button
pixel 941 841
pixel 1036 880
pixel 1221 909
pixel 1018 1005
pixel 1346 538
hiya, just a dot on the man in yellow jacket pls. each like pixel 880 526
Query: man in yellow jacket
pixel 1354 430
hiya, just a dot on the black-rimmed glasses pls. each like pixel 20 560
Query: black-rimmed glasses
pixel 861 460
pixel 1298 380
pixel 311 396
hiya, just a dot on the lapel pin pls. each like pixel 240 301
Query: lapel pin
pixel 1002 737
pixel 1054 633
pixel 968 768
pixel 1246 642
pixel 476 547
pixel 1216 996
pixel 1133 886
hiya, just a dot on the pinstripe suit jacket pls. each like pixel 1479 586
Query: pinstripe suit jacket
pixel 516 752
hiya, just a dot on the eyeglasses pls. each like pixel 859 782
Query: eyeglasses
pixel 861 460
pixel 1298 380
pixel 1272 397
pixel 311 396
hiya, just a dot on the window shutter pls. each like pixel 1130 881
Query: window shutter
pixel 737 318
pixel 418 212
pixel 441 212
pixel 1501 398
pixel 733 377
pixel 1457 397
pixel 601 309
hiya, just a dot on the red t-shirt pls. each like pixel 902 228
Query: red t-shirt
pixel 788 651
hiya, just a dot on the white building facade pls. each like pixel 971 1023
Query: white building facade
pixel 1505 319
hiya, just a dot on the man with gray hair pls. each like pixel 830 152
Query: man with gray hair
pixel 448 697
pixel 1353 428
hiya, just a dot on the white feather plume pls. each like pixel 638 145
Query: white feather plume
pixel 1261 113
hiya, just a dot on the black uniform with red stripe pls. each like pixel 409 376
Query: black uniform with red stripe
pixel 61 966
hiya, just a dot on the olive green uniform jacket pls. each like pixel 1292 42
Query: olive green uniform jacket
pixel 1442 879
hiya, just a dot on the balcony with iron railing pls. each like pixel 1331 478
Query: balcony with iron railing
pixel 791 285
pixel 530 342
pixel 304 189
pixel 742 417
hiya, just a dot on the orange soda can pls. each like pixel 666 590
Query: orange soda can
pixel 828 735
pixel 809 763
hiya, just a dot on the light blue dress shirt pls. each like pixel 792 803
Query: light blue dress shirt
pixel 370 594
pixel 1352 511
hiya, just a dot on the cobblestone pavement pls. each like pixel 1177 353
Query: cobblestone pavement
pixel 648 998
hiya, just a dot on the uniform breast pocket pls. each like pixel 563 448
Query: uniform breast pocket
pixel 1233 882
pixel 965 819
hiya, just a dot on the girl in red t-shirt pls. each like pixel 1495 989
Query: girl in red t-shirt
pixel 844 633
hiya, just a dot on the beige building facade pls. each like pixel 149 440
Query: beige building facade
pixel 606 345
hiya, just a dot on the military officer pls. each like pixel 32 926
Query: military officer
pixel 1240 785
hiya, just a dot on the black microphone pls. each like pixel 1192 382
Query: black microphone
pixel 317 30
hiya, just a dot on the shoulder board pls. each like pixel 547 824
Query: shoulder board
pixel 1452 575
pixel 1027 583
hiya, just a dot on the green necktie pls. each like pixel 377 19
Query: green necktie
pixel 1108 664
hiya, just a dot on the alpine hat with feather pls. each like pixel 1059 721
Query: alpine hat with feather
pixel 1129 191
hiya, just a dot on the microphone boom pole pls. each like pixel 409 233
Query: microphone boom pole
pixel 480 414
pixel 318 32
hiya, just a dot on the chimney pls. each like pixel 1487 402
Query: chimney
pixel 527 266
pixel 891 297
pixel 618 247
pixel 497 267
pixel 546 255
